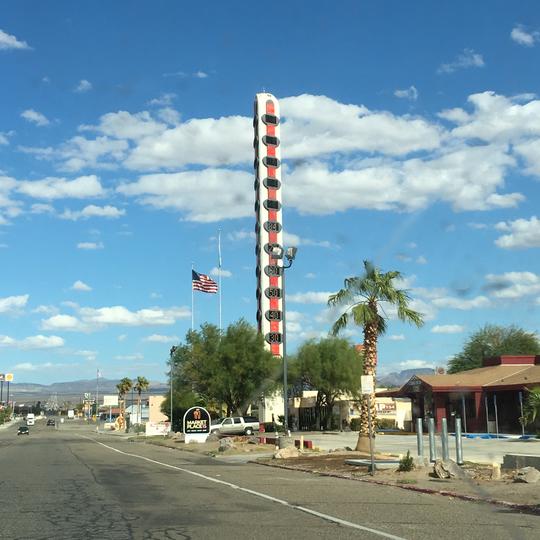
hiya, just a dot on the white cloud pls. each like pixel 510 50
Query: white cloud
pixel 135 356
pixel 3 139
pixel 522 37
pixel 522 233
pixel 200 75
pixel 396 337
pixel 290 239
pixel 41 208
pixel 163 100
pixel 35 117
pixel 217 271
pixel 89 355
pixel 513 285
pixel 477 226
pixel 462 304
pixel 47 310
pixel 309 297
pixel 447 329
pixel 421 260
pixel 467 59
pixel 93 211
pixel 241 235
pixel 410 93
pixel 32 342
pixel 90 319
pixel 90 245
pixel 83 86
pixel 61 322
pixel 80 286
pixel 13 304
pixel 182 191
pixel 122 337
pixel 310 275
pixel 159 338
pixel 416 364
pixel 52 188
pixel 8 41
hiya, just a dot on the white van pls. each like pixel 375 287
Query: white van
pixel 30 419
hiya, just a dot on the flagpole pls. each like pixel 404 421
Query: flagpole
pixel 97 400
pixel 219 276
pixel 192 301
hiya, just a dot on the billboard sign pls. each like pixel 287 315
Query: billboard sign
pixel 9 377
pixel 110 401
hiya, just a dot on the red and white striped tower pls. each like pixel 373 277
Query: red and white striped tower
pixel 269 225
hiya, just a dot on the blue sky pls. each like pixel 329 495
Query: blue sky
pixel 410 136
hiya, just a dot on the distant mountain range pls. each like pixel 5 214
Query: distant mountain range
pixel 71 390
pixel 399 378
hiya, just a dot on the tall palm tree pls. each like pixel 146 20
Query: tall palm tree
pixel 364 298
pixel 141 385
pixel 123 387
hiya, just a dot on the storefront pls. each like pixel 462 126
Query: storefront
pixel 487 399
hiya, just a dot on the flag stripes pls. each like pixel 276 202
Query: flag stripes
pixel 202 283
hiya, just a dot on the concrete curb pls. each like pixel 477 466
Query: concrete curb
pixel 531 508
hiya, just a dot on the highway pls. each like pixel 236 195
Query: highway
pixel 71 483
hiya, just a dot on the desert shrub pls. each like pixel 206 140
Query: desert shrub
pixel 406 463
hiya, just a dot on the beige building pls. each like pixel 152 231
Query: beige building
pixel 303 417
pixel 154 409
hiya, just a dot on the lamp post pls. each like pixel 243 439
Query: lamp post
pixel 171 355
pixel 290 254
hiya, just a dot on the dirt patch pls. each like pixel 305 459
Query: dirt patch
pixel 210 448
pixel 477 486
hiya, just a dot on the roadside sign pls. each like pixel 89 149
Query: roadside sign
pixel 196 424
pixel 110 401
pixel 367 385
pixel 9 377
pixel 87 395
pixel 2 377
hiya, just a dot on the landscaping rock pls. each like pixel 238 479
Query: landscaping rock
pixel 286 453
pixel 226 444
pixel 213 437
pixel 253 440
pixel 420 462
pixel 448 469
pixel 528 475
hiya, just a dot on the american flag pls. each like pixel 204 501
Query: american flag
pixel 203 283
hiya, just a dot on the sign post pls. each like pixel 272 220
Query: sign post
pixel 367 385
pixel 196 425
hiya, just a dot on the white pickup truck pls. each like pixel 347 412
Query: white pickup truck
pixel 235 425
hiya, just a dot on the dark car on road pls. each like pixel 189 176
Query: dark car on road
pixel 23 430
pixel 51 422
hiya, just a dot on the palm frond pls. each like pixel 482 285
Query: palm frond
pixel 340 324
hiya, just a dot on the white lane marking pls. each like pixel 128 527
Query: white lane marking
pixel 327 517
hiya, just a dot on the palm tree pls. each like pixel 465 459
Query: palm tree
pixel 531 410
pixel 364 297
pixel 123 387
pixel 141 385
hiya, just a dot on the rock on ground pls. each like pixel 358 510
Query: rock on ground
pixel 448 469
pixel 285 453
pixel 226 444
pixel 212 437
pixel 528 475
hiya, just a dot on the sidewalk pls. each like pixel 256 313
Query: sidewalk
pixel 477 450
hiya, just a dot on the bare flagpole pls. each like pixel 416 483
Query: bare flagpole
pixel 219 277
pixel 192 301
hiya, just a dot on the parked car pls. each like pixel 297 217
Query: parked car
pixel 23 430
pixel 51 422
pixel 235 425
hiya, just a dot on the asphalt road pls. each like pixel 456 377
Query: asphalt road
pixel 71 483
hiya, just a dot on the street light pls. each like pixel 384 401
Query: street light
pixel 171 356
pixel 290 254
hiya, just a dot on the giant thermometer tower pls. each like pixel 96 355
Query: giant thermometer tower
pixel 269 226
